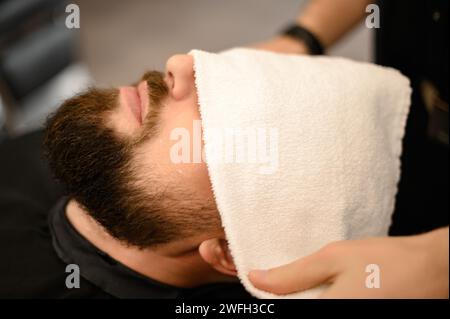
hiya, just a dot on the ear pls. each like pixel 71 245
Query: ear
pixel 216 253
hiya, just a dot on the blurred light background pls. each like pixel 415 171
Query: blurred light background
pixel 118 40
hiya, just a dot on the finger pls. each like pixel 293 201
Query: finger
pixel 299 275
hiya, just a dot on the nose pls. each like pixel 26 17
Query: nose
pixel 180 75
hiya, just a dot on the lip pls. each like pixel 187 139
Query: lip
pixel 131 99
pixel 142 91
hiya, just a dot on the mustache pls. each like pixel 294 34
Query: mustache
pixel 157 87
pixel 157 91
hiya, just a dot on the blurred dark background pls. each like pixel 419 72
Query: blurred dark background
pixel 43 62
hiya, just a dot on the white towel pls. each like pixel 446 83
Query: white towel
pixel 337 129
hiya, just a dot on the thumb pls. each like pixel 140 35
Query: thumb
pixel 299 275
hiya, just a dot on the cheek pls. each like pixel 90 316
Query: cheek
pixel 181 113
pixel 200 179
pixel 190 176
pixel 181 128
pixel 193 177
pixel 181 125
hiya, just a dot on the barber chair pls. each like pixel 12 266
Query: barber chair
pixel 38 63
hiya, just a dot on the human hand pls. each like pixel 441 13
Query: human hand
pixel 409 267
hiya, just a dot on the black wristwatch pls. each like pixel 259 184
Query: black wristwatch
pixel 298 32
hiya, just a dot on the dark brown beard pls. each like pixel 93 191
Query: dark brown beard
pixel 94 164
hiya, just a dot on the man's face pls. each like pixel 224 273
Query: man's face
pixel 112 150
pixel 179 109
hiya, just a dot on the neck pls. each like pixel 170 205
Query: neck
pixel 180 266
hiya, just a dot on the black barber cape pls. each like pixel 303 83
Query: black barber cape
pixel 37 241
